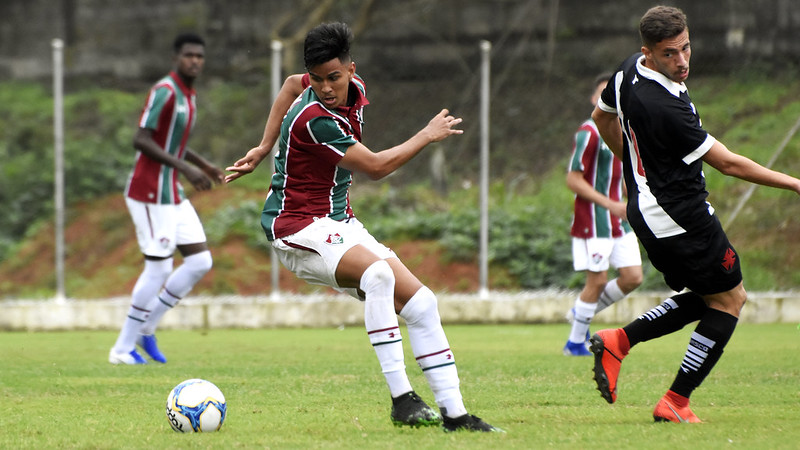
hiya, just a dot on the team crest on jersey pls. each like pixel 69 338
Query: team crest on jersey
pixel 164 242
pixel 335 238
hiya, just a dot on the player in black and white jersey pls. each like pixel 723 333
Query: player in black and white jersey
pixel 646 117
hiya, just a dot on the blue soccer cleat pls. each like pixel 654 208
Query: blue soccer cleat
pixel 579 349
pixel 150 346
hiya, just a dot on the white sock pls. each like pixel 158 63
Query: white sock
pixel 383 330
pixel 432 351
pixel 177 286
pixel 584 312
pixel 163 303
pixel 610 295
pixel 150 281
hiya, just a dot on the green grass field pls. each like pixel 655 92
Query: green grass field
pixel 322 388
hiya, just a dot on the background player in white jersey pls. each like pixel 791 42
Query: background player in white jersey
pixel 646 117
pixel 600 235
pixel 164 218
pixel 308 219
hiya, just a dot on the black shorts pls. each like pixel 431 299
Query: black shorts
pixel 703 261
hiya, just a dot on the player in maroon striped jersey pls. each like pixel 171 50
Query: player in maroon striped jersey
pixel 164 218
pixel 600 235
pixel 309 221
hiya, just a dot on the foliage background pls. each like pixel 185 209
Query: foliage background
pixel 417 57
pixel 530 215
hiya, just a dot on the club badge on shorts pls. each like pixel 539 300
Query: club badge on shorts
pixel 335 238
pixel 596 258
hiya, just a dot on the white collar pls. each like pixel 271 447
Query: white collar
pixel 674 88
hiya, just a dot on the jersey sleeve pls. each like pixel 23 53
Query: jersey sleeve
pixel 681 125
pixel 160 99
pixel 608 98
pixel 580 152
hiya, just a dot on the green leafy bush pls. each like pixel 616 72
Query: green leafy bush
pixel 530 208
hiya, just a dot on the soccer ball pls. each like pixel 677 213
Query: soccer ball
pixel 196 406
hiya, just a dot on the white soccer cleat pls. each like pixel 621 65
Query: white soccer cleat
pixel 130 358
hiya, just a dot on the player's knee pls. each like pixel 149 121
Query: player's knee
pixel 422 306
pixel 379 275
pixel 630 278
pixel 629 282
pixel 595 283
pixel 199 263
pixel 158 268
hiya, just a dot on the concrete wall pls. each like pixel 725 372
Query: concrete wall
pixel 327 311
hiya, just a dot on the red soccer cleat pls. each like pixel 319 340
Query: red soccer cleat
pixel 674 408
pixel 609 347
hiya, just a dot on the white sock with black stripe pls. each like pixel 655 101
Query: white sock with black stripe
pixel 177 286
pixel 153 276
pixel 383 329
pixel 432 351
pixel 584 312
pixel 610 295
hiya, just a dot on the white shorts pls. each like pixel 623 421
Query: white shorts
pixel 161 228
pixel 313 253
pixel 597 254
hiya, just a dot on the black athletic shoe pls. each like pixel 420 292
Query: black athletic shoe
pixel 409 409
pixel 467 422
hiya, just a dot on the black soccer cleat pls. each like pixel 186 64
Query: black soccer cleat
pixel 467 422
pixel 408 409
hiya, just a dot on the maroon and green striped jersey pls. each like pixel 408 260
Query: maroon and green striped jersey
pixel 307 183
pixel 170 113
pixel 603 171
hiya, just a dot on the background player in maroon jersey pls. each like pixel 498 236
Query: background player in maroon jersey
pixel 646 117
pixel 600 236
pixel 308 219
pixel 164 218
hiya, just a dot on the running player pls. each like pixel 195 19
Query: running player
pixel 308 219
pixel 164 218
pixel 600 235
pixel 646 117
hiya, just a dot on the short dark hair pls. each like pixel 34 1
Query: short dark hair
pixel 325 42
pixel 661 22
pixel 186 38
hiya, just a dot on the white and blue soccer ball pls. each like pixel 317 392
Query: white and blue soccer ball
pixel 196 406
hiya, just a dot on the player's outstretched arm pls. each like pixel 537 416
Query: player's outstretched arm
pixel 377 165
pixel 292 87
pixel 735 165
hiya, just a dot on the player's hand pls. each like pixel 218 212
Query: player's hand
pixel 198 179
pixel 246 164
pixel 619 209
pixel 216 174
pixel 441 126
